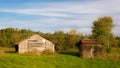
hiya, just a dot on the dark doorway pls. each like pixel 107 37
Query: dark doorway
pixel 16 48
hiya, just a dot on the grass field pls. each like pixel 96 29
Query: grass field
pixel 14 60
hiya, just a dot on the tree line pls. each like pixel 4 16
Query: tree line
pixel 64 41
pixel 10 36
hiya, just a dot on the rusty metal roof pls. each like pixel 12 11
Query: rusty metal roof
pixel 89 42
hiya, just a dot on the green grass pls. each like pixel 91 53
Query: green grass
pixel 64 60
pixel 55 61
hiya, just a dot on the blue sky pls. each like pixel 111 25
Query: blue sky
pixel 54 15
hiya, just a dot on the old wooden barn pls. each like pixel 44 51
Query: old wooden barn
pixel 34 43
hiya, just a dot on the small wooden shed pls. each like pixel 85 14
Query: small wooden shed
pixel 89 48
pixel 34 43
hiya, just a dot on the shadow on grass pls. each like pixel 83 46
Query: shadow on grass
pixel 70 53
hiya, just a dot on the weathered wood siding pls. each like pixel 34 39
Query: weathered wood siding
pixel 35 43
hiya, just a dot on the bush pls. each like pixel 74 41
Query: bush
pixel 37 53
pixel 34 53
pixel 48 52
pixel 108 50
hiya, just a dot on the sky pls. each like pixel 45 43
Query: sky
pixel 55 15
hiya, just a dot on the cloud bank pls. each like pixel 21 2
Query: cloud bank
pixel 52 16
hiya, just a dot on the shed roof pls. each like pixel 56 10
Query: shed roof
pixel 89 42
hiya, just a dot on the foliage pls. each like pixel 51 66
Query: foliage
pixel 114 53
pixel 38 53
pixel 118 41
pixel 47 52
pixel 10 36
pixel 108 50
pixel 63 41
pixel 73 38
pixel 101 31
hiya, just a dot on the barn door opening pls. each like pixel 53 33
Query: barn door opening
pixel 16 48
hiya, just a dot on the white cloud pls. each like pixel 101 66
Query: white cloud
pixel 60 9
pixel 67 15
pixel 116 30
pixel 85 30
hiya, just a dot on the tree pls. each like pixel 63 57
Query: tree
pixel 73 38
pixel 59 40
pixel 10 36
pixel 101 30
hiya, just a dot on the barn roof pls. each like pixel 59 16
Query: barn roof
pixel 30 37
pixel 89 42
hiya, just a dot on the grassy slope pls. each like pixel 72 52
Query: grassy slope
pixel 13 60
pixel 56 61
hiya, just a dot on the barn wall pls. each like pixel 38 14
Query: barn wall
pixel 35 43
pixel 22 47
pixel 50 46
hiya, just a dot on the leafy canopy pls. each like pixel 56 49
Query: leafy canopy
pixel 102 28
